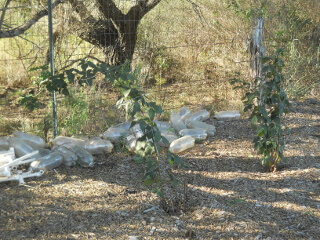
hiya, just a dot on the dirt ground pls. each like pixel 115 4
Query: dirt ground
pixel 227 194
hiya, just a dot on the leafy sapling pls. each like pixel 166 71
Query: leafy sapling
pixel 142 113
pixel 267 110
pixel 137 108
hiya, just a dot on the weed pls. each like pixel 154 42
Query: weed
pixel 8 126
pixel 74 113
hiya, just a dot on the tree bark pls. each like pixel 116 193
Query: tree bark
pixel 115 33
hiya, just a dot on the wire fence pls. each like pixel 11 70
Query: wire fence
pixel 187 53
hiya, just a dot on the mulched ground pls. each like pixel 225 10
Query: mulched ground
pixel 226 193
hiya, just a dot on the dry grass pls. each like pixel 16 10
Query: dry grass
pixel 228 194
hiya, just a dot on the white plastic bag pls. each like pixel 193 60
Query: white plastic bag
pixel 163 126
pixel 181 144
pixel 210 129
pixel 85 159
pixel 184 112
pixel 32 140
pixel 169 136
pixel 177 122
pixel 4 144
pixel 21 147
pixel 227 115
pixel 47 162
pixel 131 142
pixel 68 142
pixel 198 116
pixel 98 146
pixel 69 157
pixel 197 133
pixel 116 133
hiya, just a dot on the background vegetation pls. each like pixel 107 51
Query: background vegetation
pixel 182 46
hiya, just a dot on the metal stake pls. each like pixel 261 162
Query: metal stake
pixel 51 50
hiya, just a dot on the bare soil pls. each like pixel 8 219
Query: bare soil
pixel 226 193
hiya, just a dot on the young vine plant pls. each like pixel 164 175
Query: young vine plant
pixel 268 103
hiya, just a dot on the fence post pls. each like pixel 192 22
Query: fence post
pixel 51 56
pixel 257 51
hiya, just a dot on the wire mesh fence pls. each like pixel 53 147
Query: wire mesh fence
pixel 186 51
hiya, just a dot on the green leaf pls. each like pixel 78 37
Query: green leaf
pixel 173 179
pixel 261 131
pixel 148 182
pixel 92 65
pixel 177 160
pixel 274 144
pixel 29 101
pixel 65 92
pixel 159 192
pixel 254 120
pixel 84 66
pixel 151 113
pixel 140 153
pixel 126 92
pixel 158 109
pixel 42 67
pixel 143 125
pixel 136 108
pixel 157 136
pixel 138 159
pixel 150 134
pixel 281 108
pixel 165 141
pixel 247 107
pixel 171 160
pixel 119 103
pixel 70 75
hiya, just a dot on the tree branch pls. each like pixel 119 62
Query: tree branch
pixel 82 10
pixel 24 27
pixel 4 12
pixel 110 11
pixel 141 8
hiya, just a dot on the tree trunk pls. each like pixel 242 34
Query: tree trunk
pixel 114 33
pixel 116 44
pixel 123 47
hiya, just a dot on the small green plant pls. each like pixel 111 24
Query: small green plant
pixel 74 114
pixel 268 103
pixel 121 146
pixel 29 101
pixel 44 81
pixel 142 113
pixel 137 108
pixel 160 80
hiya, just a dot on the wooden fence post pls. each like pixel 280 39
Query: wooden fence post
pixel 257 51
